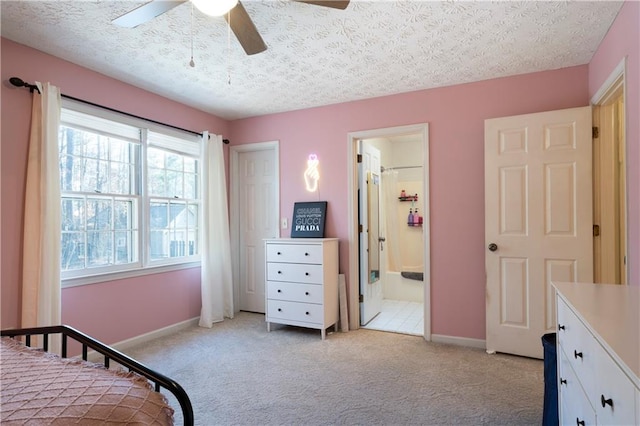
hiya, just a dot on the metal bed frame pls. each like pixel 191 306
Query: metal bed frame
pixel 66 332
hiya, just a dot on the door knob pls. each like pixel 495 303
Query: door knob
pixel 493 247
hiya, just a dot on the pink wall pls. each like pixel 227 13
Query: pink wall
pixel 623 40
pixel 456 125
pixel 121 309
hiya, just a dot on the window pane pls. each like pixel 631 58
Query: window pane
pixel 156 183
pixel 125 247
pixel 155 158
pixel 120 151
pixel 101 178
pixel 124 214
pixel 157 245
pixel 174 184
pixel 120 179
pixel 193 230
pixel 173 161
pixel 72 214
pixel 159 215
pixel 189 164
pixel 99 248
pixel 72 254
pixel 193 216
pixel 99 214
pixel 191 186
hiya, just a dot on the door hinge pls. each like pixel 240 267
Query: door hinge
pixel 359 158
pixel 359 228
pixel 596 230
pixel 595 132
pixel 361 298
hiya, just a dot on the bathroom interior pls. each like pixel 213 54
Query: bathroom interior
pixel 402 251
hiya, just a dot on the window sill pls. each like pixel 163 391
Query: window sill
pixel 101 278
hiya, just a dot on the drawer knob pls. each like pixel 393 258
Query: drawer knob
pixel 577 354
pixel 279 309
pixel 306 273
pixel 306 313
pixel 561 327
pixel 579 422
pixel 279 253
pixel 606 402
pixel 563 381
pixel 279 291
pixel 279 272
pixel 306 254
pixel 306 293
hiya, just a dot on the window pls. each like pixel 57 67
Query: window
pixel 130 194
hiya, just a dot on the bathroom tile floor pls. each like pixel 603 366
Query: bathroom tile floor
pixel 398 316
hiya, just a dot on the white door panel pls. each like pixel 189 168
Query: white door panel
pixel 257 183
pixel 538 214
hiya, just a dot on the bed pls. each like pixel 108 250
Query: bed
pixel 40 387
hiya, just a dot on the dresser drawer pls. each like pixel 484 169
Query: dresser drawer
pixel 577 344
pixel 294 253
pixel 295 311
pixel 294 292
pixel 613 393
pixel 575 406
pixel 295 272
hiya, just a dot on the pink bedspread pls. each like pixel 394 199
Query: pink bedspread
pixel 38 388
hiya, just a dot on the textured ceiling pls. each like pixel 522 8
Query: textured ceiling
pixel 316 56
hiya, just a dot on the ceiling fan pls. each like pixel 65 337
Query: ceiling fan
pixel 235 14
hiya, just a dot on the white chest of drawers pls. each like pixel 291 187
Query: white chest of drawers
pixel 302 282
pixel 598 352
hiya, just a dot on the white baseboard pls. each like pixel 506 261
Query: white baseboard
pixel 123 345
pixel 460 341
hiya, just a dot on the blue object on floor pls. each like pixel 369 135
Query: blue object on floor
pixel 550 408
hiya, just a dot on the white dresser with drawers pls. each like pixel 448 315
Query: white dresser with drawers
pixel 598 354
pixel 302 282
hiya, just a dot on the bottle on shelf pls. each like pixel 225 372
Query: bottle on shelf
pixel 403 194
pixel 410 218
pixel 416 217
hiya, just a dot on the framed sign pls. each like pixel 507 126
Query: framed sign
pixel 308 220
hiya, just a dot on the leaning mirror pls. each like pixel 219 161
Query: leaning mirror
pixel 373 209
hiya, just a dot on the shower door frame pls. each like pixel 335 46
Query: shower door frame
pixel 421 129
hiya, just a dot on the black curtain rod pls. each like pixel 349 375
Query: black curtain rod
pixel 18 82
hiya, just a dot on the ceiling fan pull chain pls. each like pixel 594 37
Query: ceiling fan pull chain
pixel 191 62
pixel 229 49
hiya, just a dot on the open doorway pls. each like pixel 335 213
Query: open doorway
pixel 609 181
pixel 398 146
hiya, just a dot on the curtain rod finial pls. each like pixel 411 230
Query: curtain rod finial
pixel 18 82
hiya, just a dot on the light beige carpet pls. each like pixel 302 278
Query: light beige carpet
pixel 238 374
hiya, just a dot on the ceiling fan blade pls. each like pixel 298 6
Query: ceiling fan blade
pixel 245 31
pixel 146 12
pixel 335 4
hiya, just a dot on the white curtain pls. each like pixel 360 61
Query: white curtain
pixel 41 246
pixel 216 281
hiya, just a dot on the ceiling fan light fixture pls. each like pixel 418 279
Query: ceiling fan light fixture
pixel 214 7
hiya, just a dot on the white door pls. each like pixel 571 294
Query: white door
pixel 369 217
pixel 538 222
pixel 257 186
